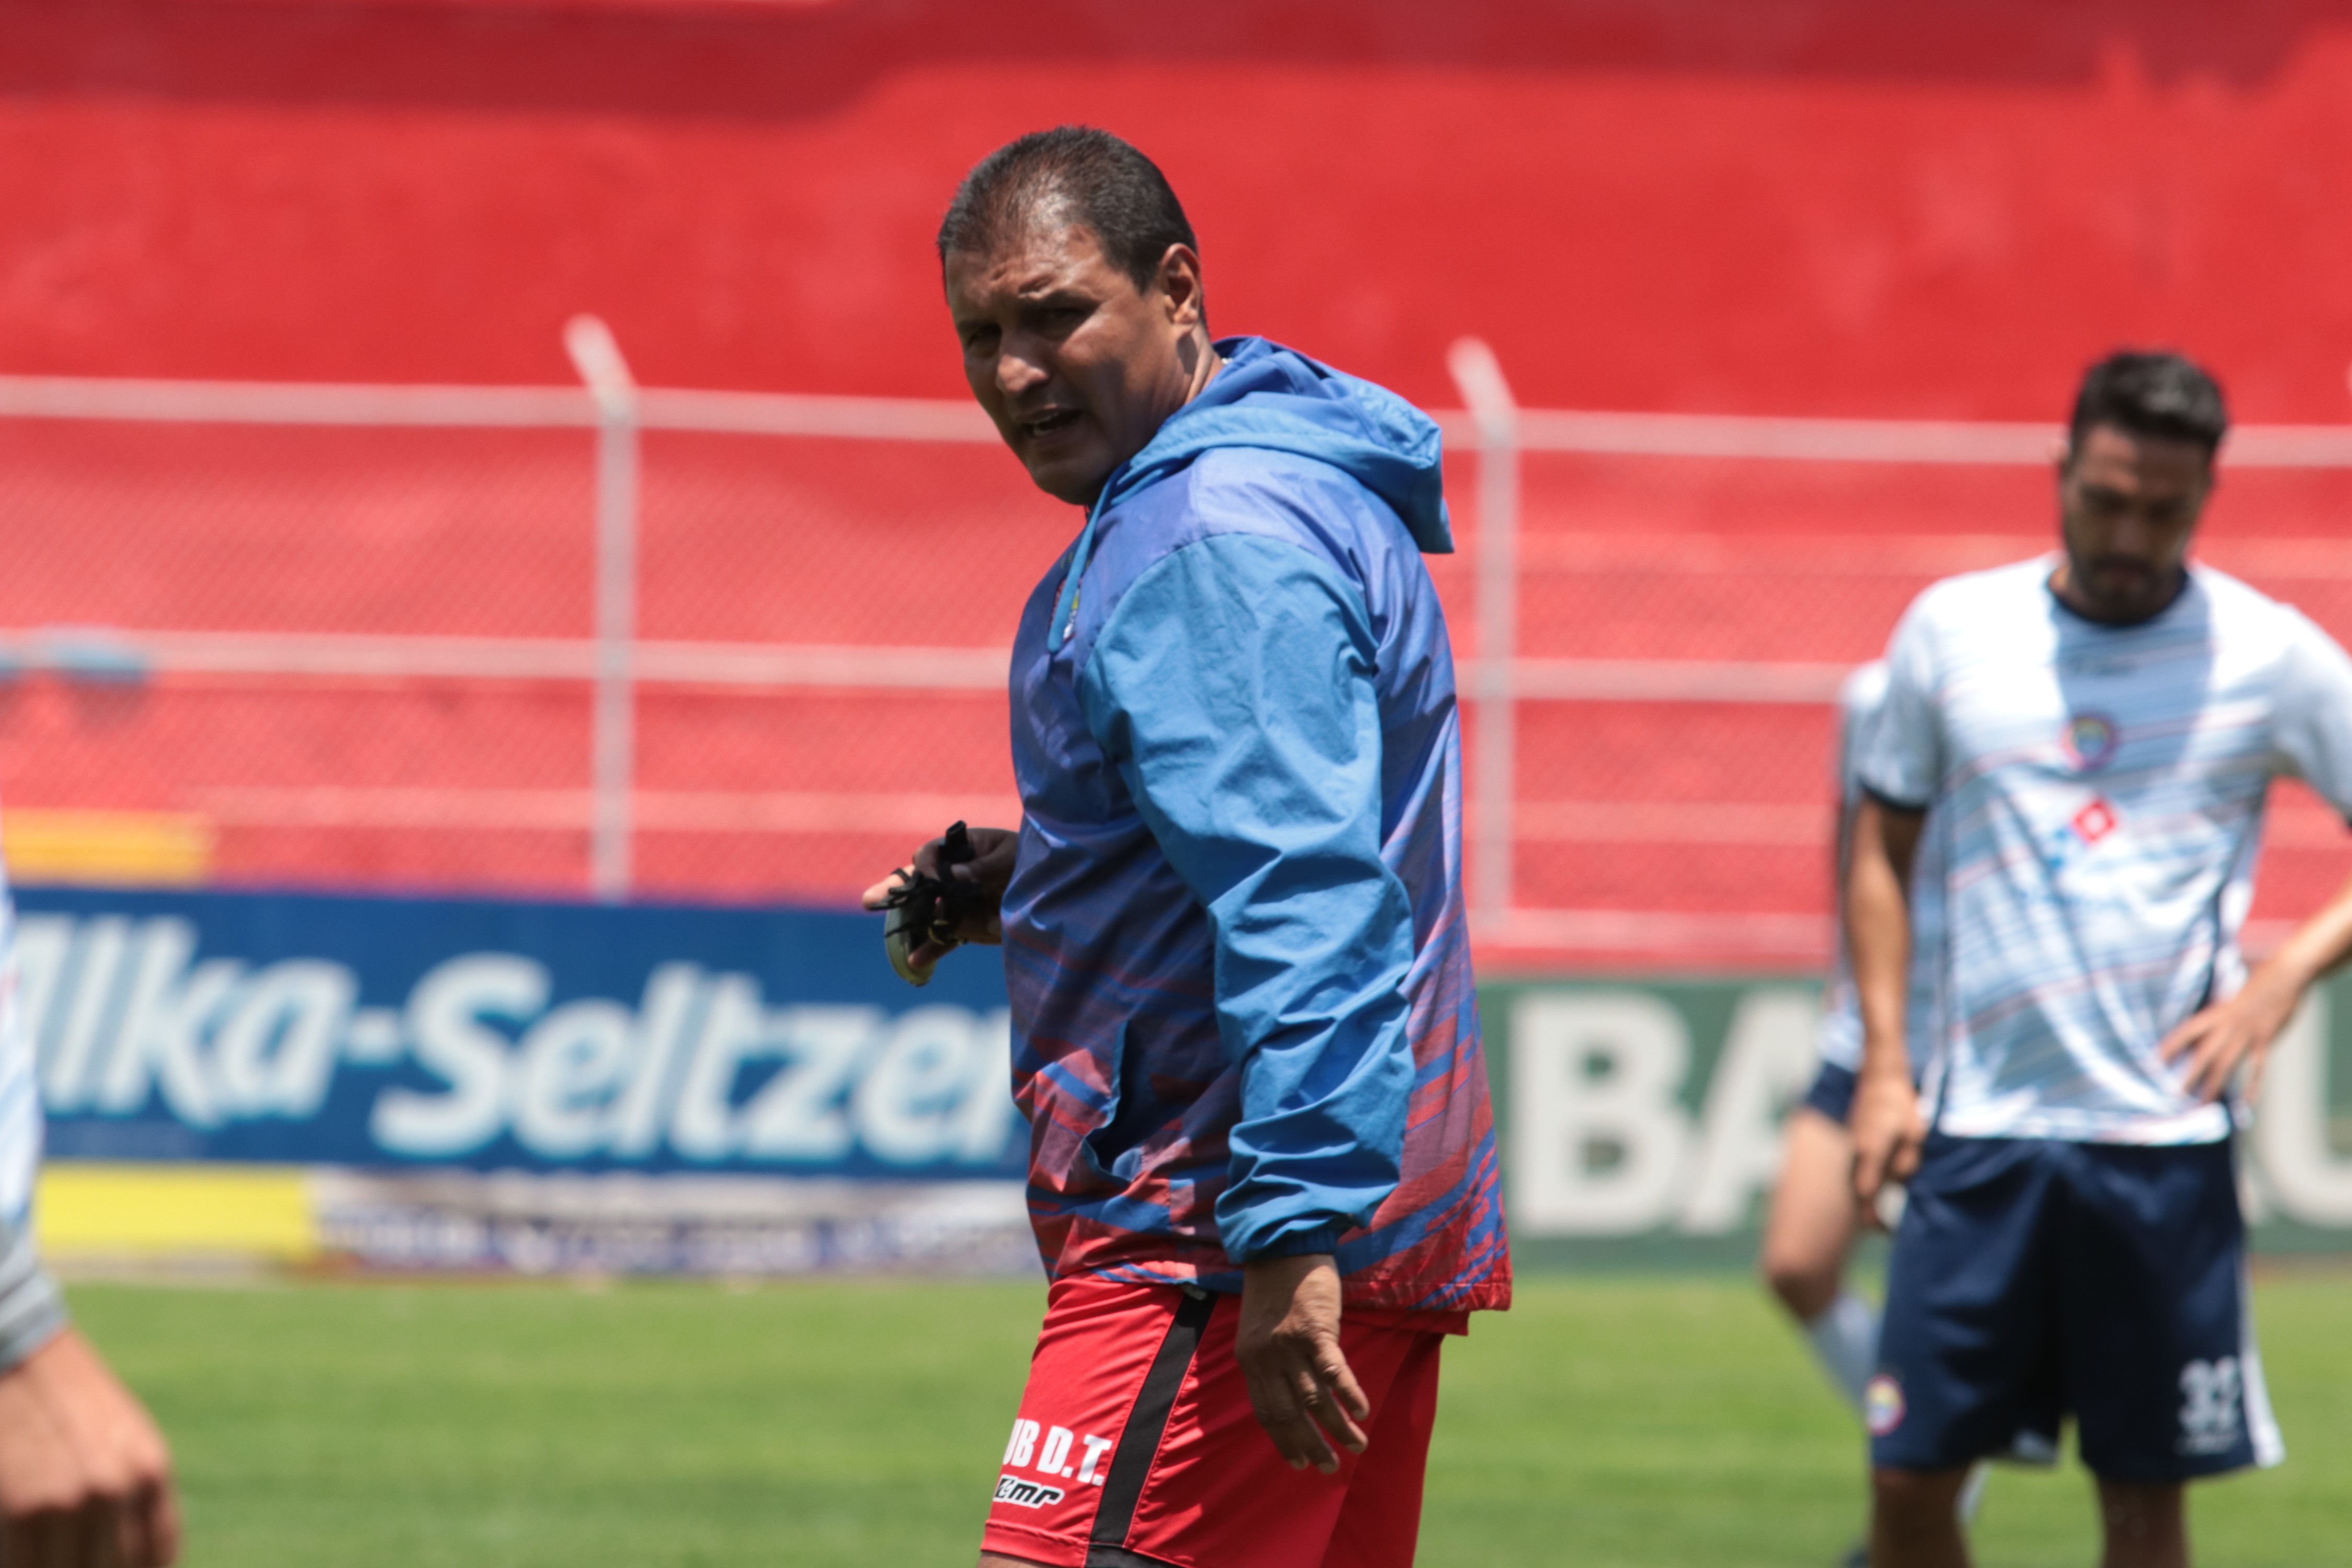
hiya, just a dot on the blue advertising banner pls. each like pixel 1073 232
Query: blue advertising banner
pixel 479 1085
pixel 411 1034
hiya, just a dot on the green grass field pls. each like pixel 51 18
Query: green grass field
pixel 1656 1422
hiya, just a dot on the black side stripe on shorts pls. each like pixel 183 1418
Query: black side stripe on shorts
pixel 1139 1443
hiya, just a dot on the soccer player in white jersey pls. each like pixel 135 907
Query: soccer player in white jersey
pixel 85 1479
pixel 2096 733
pixel 1813 1223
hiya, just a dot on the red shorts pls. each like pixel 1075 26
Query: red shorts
pixel 1136 1445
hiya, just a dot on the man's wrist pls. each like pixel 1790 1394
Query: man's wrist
pixel 2288 972
pixel 1876 1070
pixel 1278 1280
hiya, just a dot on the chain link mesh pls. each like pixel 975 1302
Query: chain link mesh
pixel 757 789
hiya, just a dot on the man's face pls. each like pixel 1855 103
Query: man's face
pixel 2128 505
pixel 1076 365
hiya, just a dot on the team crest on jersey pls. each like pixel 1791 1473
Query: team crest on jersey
pixel 2090 739
pixel 1882 1404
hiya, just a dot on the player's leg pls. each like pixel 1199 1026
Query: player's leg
pixel 2162 1371
pixel 2144 1525
pixel 1136 1443
pixel 1807 1236
pixel 1380 1523
pixel 1966 1354
pixel 1110 1362
pixel 1915 1518
pixel 1218 1493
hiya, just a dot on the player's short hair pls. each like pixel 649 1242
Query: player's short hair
pixel 1076 175
pixel 2162 394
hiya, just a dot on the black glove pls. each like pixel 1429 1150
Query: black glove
pixel 924 909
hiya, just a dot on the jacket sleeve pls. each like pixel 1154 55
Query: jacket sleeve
pixel 1233 687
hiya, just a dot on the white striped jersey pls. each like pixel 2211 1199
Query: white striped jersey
pixel 20 1102
pixel 1840 1036
pixel 2101 789
pixel 31 1310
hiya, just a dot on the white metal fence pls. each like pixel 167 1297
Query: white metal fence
pixel 1532 597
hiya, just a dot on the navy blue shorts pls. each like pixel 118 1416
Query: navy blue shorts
pixel 2033 1280
pixel 1833 1092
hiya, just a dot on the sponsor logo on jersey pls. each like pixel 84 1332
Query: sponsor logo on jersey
pixel 2090 739
pixel 1055 1451
pixel 1882 1404
pixel 2212 1394
pixel 1025 1494
pixel 2095 821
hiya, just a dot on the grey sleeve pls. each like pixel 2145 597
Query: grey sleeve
pixel 32 1310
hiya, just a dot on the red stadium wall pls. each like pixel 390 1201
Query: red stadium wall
pixel 1853 206
pixel 1858 207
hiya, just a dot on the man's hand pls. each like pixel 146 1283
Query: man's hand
pixel 1888 1135
pixel 2220 1039
pixel 85 1479
pixel 989 869
pixel 1288 1347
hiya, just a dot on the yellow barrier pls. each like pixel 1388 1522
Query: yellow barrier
pixel 262 1211
pixel 112 848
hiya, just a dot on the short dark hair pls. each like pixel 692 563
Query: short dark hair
pixel 1077 175
pixel 2158 394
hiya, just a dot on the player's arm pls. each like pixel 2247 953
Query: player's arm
pixel 2312 737
pixel 1233 687
pixel 1886 1127
pixel 1899 765
pixel 84 1476
pixel 2218 1041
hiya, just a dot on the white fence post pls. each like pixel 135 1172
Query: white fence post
pixel 612 741
pixel 1479 378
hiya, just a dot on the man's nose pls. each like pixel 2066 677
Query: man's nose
pixel 1017 372
pixel 2136 534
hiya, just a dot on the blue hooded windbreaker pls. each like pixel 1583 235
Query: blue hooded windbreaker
pixel 1243 1016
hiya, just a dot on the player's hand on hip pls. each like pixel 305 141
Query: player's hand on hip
pixel 2215 1042
pixel 1288 1347
pixel 989 870
pixel 85 1479
pixel 1888 1135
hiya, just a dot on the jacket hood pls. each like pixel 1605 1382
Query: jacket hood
pixel 1277 399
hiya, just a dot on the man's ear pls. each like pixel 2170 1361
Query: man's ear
pixel 1180 281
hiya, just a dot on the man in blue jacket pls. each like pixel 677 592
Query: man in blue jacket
pixel 1262 1170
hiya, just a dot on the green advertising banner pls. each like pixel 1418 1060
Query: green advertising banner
pixel 1642 1117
